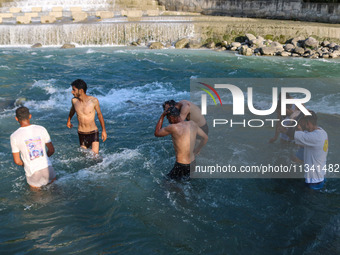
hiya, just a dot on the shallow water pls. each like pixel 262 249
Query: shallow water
pixel 123 203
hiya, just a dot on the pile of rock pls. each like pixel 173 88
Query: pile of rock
pixel 252 45
pixel 294 47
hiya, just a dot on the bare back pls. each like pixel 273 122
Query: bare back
pixel 184 137
pixel 192 112
pixel 86 113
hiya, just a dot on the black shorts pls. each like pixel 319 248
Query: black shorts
pixel 205 128
pixel 180 171
pixel 87 138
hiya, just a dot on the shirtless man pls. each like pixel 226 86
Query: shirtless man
pixel 183 137
pixel 86 107
pixel 189 111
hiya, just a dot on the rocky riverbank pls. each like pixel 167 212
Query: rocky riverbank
pixel 249 45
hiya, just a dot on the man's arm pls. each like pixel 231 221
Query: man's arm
pixel 101 119
pixel 50 149
pixel 72 112
pixel 159 131
pixel 16 158
pixel 202 134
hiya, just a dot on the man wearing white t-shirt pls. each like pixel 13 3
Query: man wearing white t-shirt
pixel 29 144
pixel 315 142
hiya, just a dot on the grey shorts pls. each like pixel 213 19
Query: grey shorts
pixel 41 177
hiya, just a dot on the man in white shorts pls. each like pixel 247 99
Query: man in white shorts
pixel 29 144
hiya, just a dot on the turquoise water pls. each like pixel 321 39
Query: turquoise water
pixel 123 204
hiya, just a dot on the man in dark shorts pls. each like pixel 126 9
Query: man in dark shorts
pixel 183 137
pixel 189 111
pixel 86 107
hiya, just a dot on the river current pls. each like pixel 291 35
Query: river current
pixel 123 203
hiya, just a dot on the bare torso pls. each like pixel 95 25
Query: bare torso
pixel 86 113
pixel 184 138
pixel 194 113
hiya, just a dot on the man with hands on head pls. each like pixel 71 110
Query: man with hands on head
pixel 183 135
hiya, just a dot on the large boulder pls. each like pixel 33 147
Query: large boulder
pixel 245 50
pixel 36 45
pixel 210 45
pixel 277 45
pixel 257 42
pixel 156 46
pixel 224 44
pixel 68 46
pixel 311 42
pixel 325 43
pixel 236 44
pixel 250 37
pixel 335 54
pixel 284 54
pixel 268 51
pixel 180 44
pixel 289 47
pixel 299 50
pixel 193 44
pixel 332 45
pixel 297 41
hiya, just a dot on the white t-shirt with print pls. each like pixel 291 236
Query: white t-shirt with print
pixel 315 154
pixel 30 142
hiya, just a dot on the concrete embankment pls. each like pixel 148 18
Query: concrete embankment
pixel 167 29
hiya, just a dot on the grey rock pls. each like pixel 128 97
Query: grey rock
pixel 299 50
pixel 297 41
pixel 156 46
pixel 295 55
pixel 257 42
pixel 233 48
pixel 250 37
pixel 325 43
pixel 182 43
pixel 68 46
pixel 326 55
pixel 37 45
pixel 268 51
pixel 289 47
pixel 236 44
pixel 284 54
pixel 311 42
pixel 246 51
pixel 332 45
pixel 210 45
pixel 224 44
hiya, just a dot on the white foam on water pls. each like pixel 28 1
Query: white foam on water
pixel 5 67
pixel 89 51
pixel 155 92
pixel 49 56
pixel 47 85
pixel 327 104
pixel 109 165
pixel 34 53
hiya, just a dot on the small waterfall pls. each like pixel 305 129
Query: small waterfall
pixel 87 5
pixel 95 33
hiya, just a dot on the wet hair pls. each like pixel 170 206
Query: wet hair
pixel 22 113
pixel 79 84
pixel 173 112
pixel 171 103
pixel 310 118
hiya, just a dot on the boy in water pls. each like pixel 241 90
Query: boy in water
pixel 86 107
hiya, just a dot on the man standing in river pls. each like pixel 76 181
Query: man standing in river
pixel 86 107
pixel 183 135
